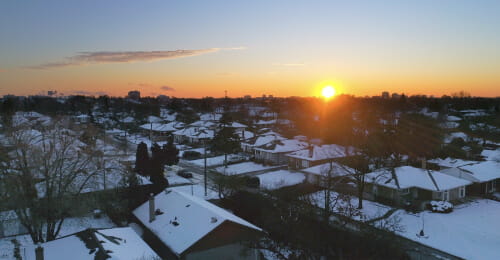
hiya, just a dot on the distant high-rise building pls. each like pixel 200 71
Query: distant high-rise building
pixel 396 96
pixel 385 94
pixel 247 97
pixel 51 92
pixel 134 94
pixel 163 98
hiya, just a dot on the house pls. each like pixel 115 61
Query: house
pixel 189 227
pixel 161 129
pixel 315 155
pixel 249 145
pixel 322 173
pixel 193 135
pixel 114 243
pixel 275 151
pixel 409 185
pixel 485 176
pixel 214 117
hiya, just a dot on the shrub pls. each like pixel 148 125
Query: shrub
pixel 191 155
pixel 440 206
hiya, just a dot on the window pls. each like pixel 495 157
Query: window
pixel 446 195
pixel 305 164
pixel 405 191
pixel 461 192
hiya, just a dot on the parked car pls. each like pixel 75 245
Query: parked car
pixel 185 174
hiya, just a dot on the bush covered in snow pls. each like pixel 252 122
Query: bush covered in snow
pixel 440 206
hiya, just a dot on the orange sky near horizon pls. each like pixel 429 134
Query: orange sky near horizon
pixel 294 48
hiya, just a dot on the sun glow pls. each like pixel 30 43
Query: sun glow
pixel 328 92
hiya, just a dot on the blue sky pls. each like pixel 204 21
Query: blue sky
pixel 366 46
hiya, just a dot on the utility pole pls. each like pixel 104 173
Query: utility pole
pixel 205 164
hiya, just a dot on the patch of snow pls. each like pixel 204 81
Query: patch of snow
pixel 279 179
pixel 241 168
pixel 470 231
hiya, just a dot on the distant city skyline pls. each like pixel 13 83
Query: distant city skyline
pixel 279 48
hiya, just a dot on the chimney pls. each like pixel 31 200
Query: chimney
pixel 243 134
pixel 151 207
pixel 424 163
pixel 39 252
pixel 311 150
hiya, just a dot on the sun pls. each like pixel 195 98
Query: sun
pixel 328 92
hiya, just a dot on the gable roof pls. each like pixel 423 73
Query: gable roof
pixel 158 127
pixel 282 146
pixel 408 177
pixel 185 220
pixel 115 243
pixel 323 169
pixel 483 171
pixel 327 151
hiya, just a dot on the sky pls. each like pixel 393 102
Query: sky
pixel 280 48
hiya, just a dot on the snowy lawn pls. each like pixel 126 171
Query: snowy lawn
pixel 214 161
pixel 471 231
pixel 198 191
pixel 279 179
pixel 369 211
pixel 241 168
pixel 174 179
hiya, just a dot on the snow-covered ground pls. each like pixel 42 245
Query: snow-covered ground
pixel 197 191
pixel 174 179
pixel 471 231
pixel 369 211
pixel 215 161
pixel 241 168
pixel 281 178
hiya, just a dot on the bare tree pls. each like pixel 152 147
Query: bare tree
pixel 44 176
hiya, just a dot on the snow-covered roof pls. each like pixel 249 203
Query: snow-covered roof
pixel 128 120
pixel 451 162
pixel 483 171
pixel 210 117
pixel 450 137
pixel 158 127
pixel 247 134
pixel 117 243
pixel 323 169
pixel 185 220
pixel 279 179
pixel 154 119
pixel 408 177
pixel 327 151
pixel 453 118
pixel 237 125
pixel 201 123
pixel 262 140
pixel 282 146
pixel 491 155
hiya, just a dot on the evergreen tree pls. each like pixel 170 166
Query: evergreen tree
pixel 170 153
pixel 156 168
pixel 226 141
pixel 142 159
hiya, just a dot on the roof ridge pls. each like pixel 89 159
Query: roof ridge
pixel 432 178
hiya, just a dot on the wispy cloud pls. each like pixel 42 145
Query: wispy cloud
pixel 167 88
pixel 299 64
pixel 101 57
